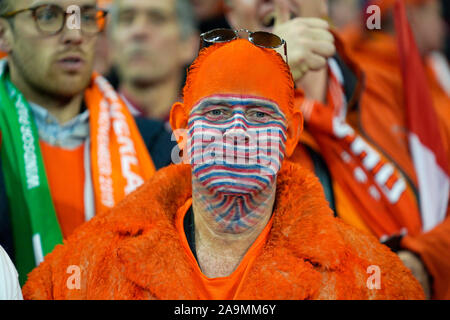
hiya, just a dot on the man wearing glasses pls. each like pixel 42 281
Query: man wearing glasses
pixel 238 221
pixel 70 148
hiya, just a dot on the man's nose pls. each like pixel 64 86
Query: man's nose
pixel 238 129
pixel 140 29
pixel 72 36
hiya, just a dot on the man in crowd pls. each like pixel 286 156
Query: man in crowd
pixel 239 222
pixel 365 186
pixel 70 148
pixel 152 42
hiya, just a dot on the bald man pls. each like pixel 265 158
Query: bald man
pixel 237 221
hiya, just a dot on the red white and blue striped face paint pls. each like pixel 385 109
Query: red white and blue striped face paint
pixel 236 145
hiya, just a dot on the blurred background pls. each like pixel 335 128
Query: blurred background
pixel 210 14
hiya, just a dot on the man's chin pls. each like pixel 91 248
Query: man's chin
pixel 238 189
pixel 69 86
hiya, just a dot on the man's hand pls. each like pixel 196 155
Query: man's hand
pixel 412 262
pixel 309 41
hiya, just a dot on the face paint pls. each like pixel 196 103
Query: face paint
pixel 236 145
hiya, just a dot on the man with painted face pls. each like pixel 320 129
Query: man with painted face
pixel 238 221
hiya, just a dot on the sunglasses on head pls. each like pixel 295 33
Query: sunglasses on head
pixel 261 39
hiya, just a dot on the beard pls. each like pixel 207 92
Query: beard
pixel 46 79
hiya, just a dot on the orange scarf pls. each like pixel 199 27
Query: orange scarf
pixel 119 158
pixel 373 189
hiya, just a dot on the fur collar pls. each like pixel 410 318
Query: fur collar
pixel 303 242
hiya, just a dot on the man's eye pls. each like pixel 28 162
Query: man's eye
pixel 258 115
pixel 126 18
pixel 47 15
pixel 157 18
pixel 215 112
pixel 89 16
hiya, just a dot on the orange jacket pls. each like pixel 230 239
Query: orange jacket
pixel 135 252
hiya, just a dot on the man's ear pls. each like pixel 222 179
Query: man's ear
pixel 293 134
pixel 178 122
pixel 5 36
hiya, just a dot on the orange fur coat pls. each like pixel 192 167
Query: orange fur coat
pixel 134 251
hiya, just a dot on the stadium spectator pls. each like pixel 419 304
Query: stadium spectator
pixel 239 222
pixel 152 42
pixel 70 148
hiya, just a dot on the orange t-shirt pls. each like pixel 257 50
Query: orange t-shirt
pixel 223 288
pixel 65 174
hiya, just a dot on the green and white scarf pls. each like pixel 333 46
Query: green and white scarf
pixel 36 229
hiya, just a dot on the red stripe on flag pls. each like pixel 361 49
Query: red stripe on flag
pixel 421 117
